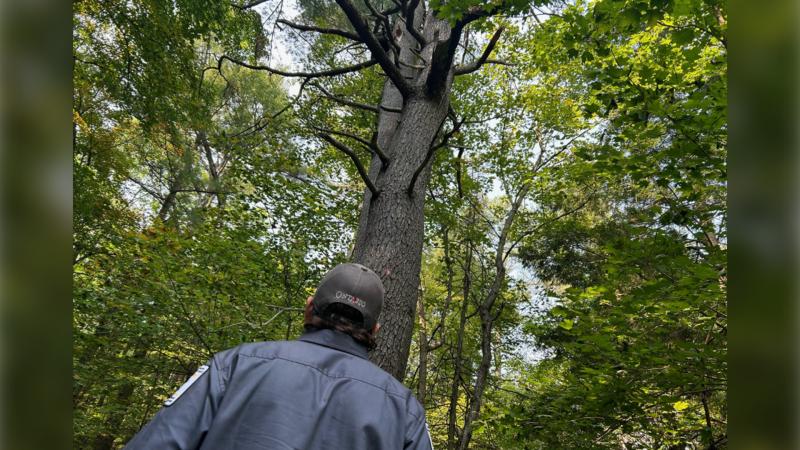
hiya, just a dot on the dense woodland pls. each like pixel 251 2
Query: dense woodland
pixel 541 186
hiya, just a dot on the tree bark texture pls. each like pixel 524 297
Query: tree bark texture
pixel 391 226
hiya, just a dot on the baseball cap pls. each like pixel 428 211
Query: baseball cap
pixel 353 285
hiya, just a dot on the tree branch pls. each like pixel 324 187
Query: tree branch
pixel 559 217
pixel 500 62
pixel 431 151
pixel 372 146
pixel 326 73
pixel 336 31
pixel 413 66
pixel 203 191
pixel 352 154
pixel 444 52
pixel 382 19
pixel 410 24
pixel 152 192
pixel 248 6
pixel 378 54
pixel 469 68
pixel 257 126
pixel 390 109
pixel 345 101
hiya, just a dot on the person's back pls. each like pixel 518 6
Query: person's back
pixel 319 391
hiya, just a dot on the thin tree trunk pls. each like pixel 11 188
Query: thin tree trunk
pixel 498 359
pixel 457 369
pixel 202 139
pixel 169 201
pixel 423 351
pixel 480 379
pixel 487 320
pixel 424 347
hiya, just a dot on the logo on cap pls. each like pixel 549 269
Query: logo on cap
pixel 350 298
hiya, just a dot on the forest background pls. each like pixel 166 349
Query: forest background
pixel 572 282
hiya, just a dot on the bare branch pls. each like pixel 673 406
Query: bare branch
pixel 448 136
pixel 390 109
pixel 258 126
pixel 559 217
pixel 345 101
pixel 419 55
pixel 371 145
pixel 378 54
pixel 341 133
pixel 352 154
pixel 382 19
pixel 150 191
pixel 500 62
pixel 393 10
pixel 325 73
pixel 542 149
pixel 458 173
pixel 375 13
pixel 203 191
pixel 248 6
pixel 410 24
pixel 413 66
pixel 463 70
pixel 431 151
pixel 444 52
pixel 336 31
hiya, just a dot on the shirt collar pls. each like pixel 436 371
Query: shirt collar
pixel 335 340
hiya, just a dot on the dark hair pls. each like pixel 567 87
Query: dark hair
pixel 342 318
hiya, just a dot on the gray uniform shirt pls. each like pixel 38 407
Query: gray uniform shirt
pixel 319 391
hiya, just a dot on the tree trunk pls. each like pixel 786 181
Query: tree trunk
pixel 453 409
pixel 169 201
pixel 480 378
pixel 487 320
pixel 391 226
pixel 498 357
pixel 423 351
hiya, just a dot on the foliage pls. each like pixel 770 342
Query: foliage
pixel 205 211
pixel 642 342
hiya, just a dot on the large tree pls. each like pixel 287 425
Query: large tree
pixel 415 45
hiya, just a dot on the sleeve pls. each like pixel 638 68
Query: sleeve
pixel 417 434
pixel 185 418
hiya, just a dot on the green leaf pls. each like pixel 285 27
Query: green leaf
pixel 683 36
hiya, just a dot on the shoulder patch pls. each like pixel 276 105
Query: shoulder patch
pixel 186 385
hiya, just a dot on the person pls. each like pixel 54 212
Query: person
pixel 319 391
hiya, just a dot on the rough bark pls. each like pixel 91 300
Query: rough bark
pixel 391 227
